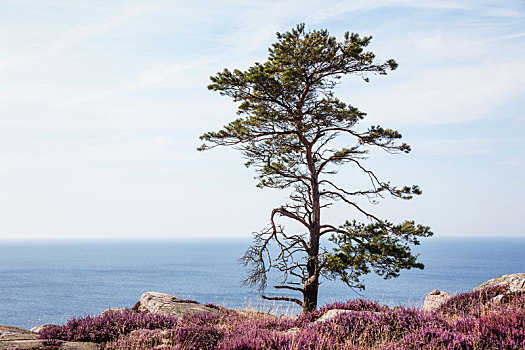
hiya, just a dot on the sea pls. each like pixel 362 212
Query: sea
pixel 53 281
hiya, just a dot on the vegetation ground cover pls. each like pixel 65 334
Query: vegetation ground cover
pixel 470 320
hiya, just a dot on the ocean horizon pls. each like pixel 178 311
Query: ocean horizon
pixel 52 281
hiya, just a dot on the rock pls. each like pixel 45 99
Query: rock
pixel 18 338
pixel 43 327
pixel 253 313
pixel 330 314
pixel 291 331
pixel 9 333
pixel 497 299
pixel 114 309
pixel 333 313
pixel 79 346
pixel 435 299
pixel 512 285
pixel 515 283
pixel 165 304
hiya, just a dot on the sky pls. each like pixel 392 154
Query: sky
pixel 102 103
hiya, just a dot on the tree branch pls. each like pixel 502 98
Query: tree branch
pixel 293 300
pixel 290 215
pixel 344 199
pixel 297 289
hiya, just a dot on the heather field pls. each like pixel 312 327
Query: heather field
pixel 472 320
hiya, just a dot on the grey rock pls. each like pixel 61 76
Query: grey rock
pixel 18 338
pixel 79 346
pixel 291 331
pixel 42 327
pixel 9 333
pixel 435 299
pixel 254 313
pixel 333 313
pixel 515 283
pixel 497 299
pixel 113 310
pixel 165 304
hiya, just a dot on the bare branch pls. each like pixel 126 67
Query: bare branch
pixel 282 211
pixel 293 300
pixel 344 199
pixel 297 289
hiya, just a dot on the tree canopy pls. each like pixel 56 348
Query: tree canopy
pixel 290 129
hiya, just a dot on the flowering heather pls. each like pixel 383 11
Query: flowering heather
pixel 354 329
pixel 471 303
pixel 184 337
pixel 467 321
pixel 433 336
pixel 496 331
pixel 137 339
pixel 229 320
pixel 107 327
pixel 354 304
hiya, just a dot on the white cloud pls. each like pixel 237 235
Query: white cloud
pixel 448 76
pixel 86 31
pixel 467 146
pixel 142 80
pixel 505 12
pixel 449 94
pixel 344 7
pixel 83 32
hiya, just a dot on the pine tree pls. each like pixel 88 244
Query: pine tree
pixel 289 121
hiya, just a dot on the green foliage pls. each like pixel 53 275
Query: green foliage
pixel 288 101
pixel 382 247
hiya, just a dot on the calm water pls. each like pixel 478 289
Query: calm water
pixel 51 282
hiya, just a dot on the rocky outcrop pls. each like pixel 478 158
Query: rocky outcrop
pixel 253 313
pixel 165 304
pixel 514 282
pixel 333 313
pixel 512 285
pixel 435 299
pixel 113 310
pixel 18 338
pixel 43 327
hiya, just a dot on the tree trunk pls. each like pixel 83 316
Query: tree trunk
pixel 311 287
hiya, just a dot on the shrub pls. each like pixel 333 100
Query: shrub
pixel 470 303
pixel 137 339
pixel 253 338
pixel 496 331
pixel 354 304
pixel 434 337
pixel 107 327
pixel 469 321
pixel 373 328
pixel 195 337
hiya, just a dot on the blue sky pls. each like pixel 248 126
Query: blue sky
pixel 102 103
